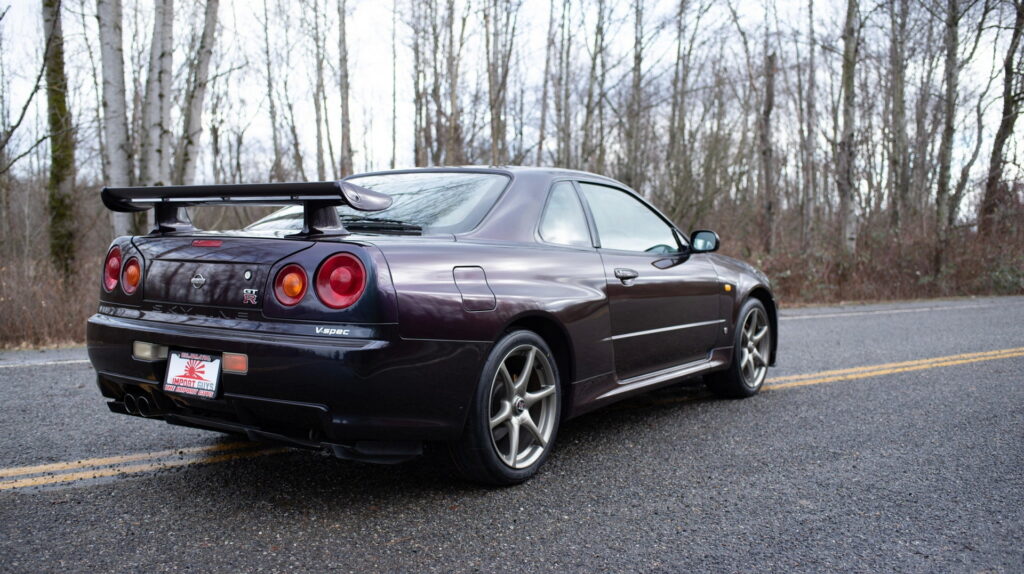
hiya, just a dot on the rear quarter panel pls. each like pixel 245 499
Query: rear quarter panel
pixel 566 285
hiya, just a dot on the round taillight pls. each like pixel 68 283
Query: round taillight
pixel 340 281
pixel 290 284
pixel 130 276
pixel 112 268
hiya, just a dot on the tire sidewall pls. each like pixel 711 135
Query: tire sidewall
pixel 741 318
pixel 478 428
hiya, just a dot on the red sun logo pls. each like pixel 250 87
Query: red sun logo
pixel 194 370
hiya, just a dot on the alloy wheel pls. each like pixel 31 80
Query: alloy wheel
pixel 523 406
pixel 754 348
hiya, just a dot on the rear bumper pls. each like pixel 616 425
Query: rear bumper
pixel 340 393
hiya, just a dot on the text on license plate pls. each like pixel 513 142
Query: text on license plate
pixel 193 374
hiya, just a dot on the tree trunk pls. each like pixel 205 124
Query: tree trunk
pixel 768 176
pixel 951 82
pixel 118 151
pixel 997 196
pixel 810 172
pixel 318 90
pixel 61 186
pixel 192 128
pixel 845 152
pixel 548 51
pixel 394 85
pixel 345 163
pixel 500 20
pixel 899 157
pixel 277 168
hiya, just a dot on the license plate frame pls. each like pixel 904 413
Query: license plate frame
pixel 193 374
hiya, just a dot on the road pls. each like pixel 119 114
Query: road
pixel 889 438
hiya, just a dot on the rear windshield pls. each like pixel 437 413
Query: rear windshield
pixel 424 202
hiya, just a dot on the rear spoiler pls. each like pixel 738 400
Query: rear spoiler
pixel 318 200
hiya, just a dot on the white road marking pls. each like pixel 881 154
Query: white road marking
pixel 886 312
pixel 45 363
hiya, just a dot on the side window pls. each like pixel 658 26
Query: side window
pixel 563 221
pixel 625 223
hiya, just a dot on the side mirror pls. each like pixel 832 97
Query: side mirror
pixel 704 241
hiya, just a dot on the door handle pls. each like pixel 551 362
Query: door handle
pixel 626 275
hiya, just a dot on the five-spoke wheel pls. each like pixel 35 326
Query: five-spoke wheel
pixel 515 415
pixel 523 406
pixel 752 349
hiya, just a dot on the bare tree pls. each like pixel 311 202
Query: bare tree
pixel 997 196
pixel 500 18
pixel 845 149
pixel 61 187
pixel 199 74
pixel 951 85
pixel 118 150
pixel 767 144
pixel 155 168
pixel 549 49
pixel 899 154
pixel 277 167
pixel 345 162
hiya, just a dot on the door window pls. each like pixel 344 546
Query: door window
pixel 563 221
pixel 624 223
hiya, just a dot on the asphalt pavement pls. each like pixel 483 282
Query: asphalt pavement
pixel 889 439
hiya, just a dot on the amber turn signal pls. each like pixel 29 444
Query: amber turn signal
pixel 130 276
pixel 290 284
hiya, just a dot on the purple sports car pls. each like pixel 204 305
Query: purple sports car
pixel 474 308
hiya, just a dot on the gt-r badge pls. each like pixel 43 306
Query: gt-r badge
pixel 249 296
pixel 198 280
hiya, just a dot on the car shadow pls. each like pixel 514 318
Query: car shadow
pixel 284 477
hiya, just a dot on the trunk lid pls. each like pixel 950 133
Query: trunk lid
pixel 210 270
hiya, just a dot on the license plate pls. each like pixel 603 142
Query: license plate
pixel 192 374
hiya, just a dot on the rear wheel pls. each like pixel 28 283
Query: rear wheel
pixel 749 367
pixel 515 413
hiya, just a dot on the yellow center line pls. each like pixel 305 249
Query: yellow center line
pixel 984 355
pixel 105 461
pixel 131 469
pixel 893 368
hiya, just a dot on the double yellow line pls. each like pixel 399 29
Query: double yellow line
pixel 68 472
pixel 92 468
pixel 889 369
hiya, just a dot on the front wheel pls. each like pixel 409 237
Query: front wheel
pixel 515 413
pixel 751 350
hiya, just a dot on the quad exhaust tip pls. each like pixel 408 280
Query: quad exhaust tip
pixel 143 404
pixel 130 404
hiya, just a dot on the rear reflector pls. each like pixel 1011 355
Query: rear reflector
pixel 235 363
pixel 148 351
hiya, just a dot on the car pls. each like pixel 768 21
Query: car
pixel 475 309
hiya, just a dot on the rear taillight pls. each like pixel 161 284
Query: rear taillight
pixel 290 285
pixel 112 268
pixel 340 281
pixel 130 276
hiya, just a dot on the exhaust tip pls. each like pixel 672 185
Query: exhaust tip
pixel 130 404
pixel 145 409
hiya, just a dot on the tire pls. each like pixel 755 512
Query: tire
pixel 752 343
pixel 512 424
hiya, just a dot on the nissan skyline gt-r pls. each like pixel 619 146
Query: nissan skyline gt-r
pixel 474 308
